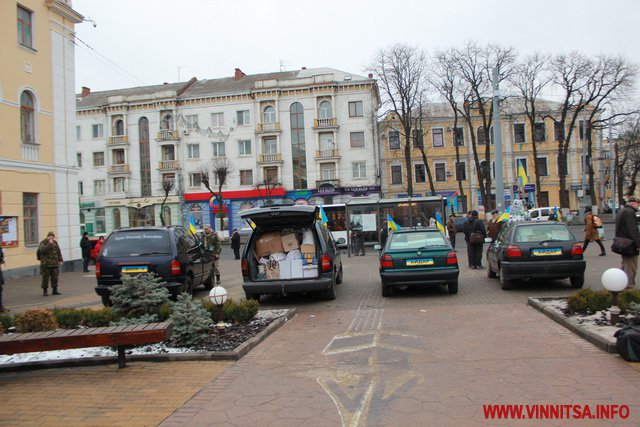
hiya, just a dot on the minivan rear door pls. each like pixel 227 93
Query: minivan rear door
pixel 277 216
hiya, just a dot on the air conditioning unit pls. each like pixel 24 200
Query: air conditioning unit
pixel 185 132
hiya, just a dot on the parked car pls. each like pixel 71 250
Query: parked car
pixel 173 253
pixel 290 251
pixel 536 250
pixel 417 257
pixel 541 214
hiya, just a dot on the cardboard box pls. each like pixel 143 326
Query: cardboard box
pixel 289 242
pixel 310 271
pixel 285 269
pixel 273 270
pixel 268 243
pixel 296 269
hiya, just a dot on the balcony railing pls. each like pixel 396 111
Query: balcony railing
pixel 168 135
pixel 325 123
pixel 330 153
pixel 270 158
pixel 119 169
pixel 268 127
pixel 30 152
pixel 119 140
pixel 165 165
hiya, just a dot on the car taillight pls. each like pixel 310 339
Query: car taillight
pixel 386 261
pixel 513 251
pixel 326 262
pixel 452 259
pixel 576 249
pixel 176 267
pixel 98 272
pixel 245 268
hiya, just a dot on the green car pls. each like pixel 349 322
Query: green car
pixel 417 257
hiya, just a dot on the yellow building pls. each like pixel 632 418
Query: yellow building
pixel 38 178
pixel 458 181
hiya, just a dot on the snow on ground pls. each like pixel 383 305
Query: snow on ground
pixel 596 323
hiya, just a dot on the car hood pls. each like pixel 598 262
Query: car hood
pixel 280 215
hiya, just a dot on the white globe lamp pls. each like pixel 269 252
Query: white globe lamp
pixel 614 280
pixel 218 296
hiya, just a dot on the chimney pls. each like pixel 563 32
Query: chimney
pixel 85 91
pixel 304 68
pixel 239 74
pixel 370 75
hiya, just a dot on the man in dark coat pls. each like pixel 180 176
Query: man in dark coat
pixel 452 229
pixel 2 309
pixel 235 243
pixel 626 226
pixel 474 250
pixel 50 259
pixel 85 245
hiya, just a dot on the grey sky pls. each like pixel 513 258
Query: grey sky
pixel 210 38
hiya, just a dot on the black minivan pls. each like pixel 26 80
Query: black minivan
pixel 289 251
pixel 173 253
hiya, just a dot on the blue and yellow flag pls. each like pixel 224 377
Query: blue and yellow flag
pixel 439 223
pixel 505 216
pixel 323 216
pixel 251 224
pixel 392 224
pixel 192 225
pixel 522 174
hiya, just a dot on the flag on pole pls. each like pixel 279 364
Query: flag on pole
pixel 505 216
pixel 522 174
pixel 392 224
pixel 192 225
pixel 439 223
pixel 323 216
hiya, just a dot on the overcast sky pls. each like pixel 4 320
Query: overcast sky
pixel 147 42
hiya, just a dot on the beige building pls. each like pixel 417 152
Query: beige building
pixel 38 178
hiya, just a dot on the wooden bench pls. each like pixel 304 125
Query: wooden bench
pixel 110 336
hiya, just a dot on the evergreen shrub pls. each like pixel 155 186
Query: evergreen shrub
pixel 138 296
pixel 36 320
pixel 191 322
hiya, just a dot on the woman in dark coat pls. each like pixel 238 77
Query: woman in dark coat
pixel 85 245
pixel 474 251
pixel 235 243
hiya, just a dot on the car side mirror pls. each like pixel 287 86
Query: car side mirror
pixel 341 241
pixel 377 247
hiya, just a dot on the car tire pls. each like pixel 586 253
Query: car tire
pixel 577 281
pixel 490 273
pixel 339 277
pixel 187 285
pixel 504 283
pixel 387 291
pixel 453 287
pixel 249 296
pixel 329 294
pixel 106 300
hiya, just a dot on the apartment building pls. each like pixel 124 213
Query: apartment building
pixel 38 180
pixel 305 136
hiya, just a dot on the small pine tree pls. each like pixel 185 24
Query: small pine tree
pixel 138 296
pixel 191 322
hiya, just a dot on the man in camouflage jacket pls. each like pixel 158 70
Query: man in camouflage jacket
pixel 50 259
pixel 211 245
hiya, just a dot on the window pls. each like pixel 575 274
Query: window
pixel 118 127
pixel 558 131
pixel 418 138
pixel 96 131
pixel 539 132
pixel 328 171
pixel 246 177
pixel 79 160
pixel 193 151
pixel 441 172
pixel 167 122
pixel 394 139
pixel 357 139
pixel 482 139
pixel 582 124
pixel 217 120
pixel 359 169
pixel 78 133
pixel 25 29
pixel 145 157
pixel 98 187
pixel 437 137
pixel 30 214
pixel 196 213
pixel 562 166
pixel 244 118
pixel 269 146
pixel 269 115
pixel 218 149
pixel 118 157
pixel 420 173
pixel 191 121
pixel 518 133
pixel 80 188
pixel 541 165
pixel 169 177
pixel 244 147
pixel 271 175
pixel 27 123
pixel 484 169
pixel 326 112
pixel 168 153
pixel 194 180
pixel 118 185
pixel 521 162
pixel 355 109
pixel 298 146
pixel 461 171
pixel 101 223
pixel 459 136
pixel 166 215
pixel 396 174
pixel 98 158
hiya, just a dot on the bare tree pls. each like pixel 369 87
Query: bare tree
pixel 266 189
pixel 627 159
pixel 167 187
pixel 221 171
pixel 418 142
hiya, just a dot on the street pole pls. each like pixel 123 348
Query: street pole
pixel 612 178
pixel 584 175
pixel 497 143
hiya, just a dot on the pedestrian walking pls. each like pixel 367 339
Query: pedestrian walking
pixel 627 227
pixel 591 231
pixel 50 259
pixel 211 245
pixel 452 230
pixel 96 249
pixel 85 246
pixel 2 309
pixel 474 234
pixel 235 243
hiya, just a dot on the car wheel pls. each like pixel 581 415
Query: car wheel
pixel 329 294
pixel 490 273
pixel 577 281
pixel 387 291
pixel 106 300
pixel 453 288
pixel 249 296
pixel 504 283
pixel 339 278
pixel 187 285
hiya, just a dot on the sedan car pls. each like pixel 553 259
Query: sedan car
pixel 417 257
pixel 536 250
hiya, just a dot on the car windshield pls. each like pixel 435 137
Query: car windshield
pixel 416 240
pixel 547 232
pixel 137 243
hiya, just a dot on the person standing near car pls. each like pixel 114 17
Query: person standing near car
pixel 85 246
pixel 50 259
pixel 591 231
pixel 235 243
pixel 452 230
pixel 474 234
pixel 627 227
pixel 211 245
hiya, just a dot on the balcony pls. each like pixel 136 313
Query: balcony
pixel 118 140
pixel 122 169
pixel 270 158
pixel 30 152
pixel 329 153
pixel 331 123
pixel 168 165
pixel 268 127
pixel 168 135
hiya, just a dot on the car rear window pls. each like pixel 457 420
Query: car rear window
pixel 533 233
pixel 416 240
pixel 137 243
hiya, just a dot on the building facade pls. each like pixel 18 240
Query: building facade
pixel 38 178
pixel 306 136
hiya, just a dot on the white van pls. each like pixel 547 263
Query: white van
pixel 541 214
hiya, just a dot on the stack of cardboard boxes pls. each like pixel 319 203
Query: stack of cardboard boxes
pixel 284 258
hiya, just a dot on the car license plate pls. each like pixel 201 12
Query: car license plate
pixel 134 269
pixel 417 262
pixel 546 252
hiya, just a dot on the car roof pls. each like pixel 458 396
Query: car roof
pixel 415 229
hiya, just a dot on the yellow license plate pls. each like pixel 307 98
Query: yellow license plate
pixel 135 269
pixel 416 262
pixel 547 252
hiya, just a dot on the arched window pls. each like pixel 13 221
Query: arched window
pixel 119 127
pixel 326 112
pixel 27 120
pixel 145 157
pixel 117 222
pixel 269 115
pixel 298 146
pixel 167 122
pixel 166 215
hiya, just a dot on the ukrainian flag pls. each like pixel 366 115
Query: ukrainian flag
pixel 505 216
pixel 323 216
pixel 192 225
pixel 392 224
pixel 251 224
pixel 439 223
pixel 522 175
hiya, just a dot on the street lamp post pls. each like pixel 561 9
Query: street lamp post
pixel 614 280
pixel 218 296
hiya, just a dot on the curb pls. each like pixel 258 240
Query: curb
pixel 235 354
pixel 608 345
